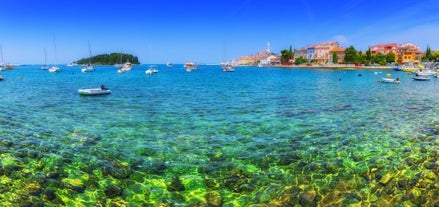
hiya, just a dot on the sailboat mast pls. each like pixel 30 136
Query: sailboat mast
pixel 54 43
pixel 89 50
pixel 1 54
pixel 45 57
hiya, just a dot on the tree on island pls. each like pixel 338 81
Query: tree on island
pixel 110 59
pixel 368 55
pixel 300 60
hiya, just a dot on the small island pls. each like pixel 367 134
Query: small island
pixel 109 59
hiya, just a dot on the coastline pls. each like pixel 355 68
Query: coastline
pixel 332 67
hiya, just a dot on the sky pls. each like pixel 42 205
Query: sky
pixel 159 31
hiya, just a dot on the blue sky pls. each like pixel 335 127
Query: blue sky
pixel 178 31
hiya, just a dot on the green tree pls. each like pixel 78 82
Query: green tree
pixel 390 57
pixel 351 55
pixel 368 55
pixel 300 60
pixel 379 58
pixel 428 54
pixel 286 56
pixel 334 57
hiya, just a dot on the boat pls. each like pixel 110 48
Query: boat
pixel 389 80
pixel 426 72
pixel 421 78
pixel 94 91
pixel 72 64
pixel 151 70
pixel 190 66
pixel 45 67
pixel 227 67
pixel 1 77
pixel 169 64
pixel 54 68
pixel 4 66
pixel 89 67
pixel 124 68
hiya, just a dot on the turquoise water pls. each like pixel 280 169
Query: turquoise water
pixel 278 137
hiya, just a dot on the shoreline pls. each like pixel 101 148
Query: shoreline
pixel 332 67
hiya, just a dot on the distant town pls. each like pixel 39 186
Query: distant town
pixel 330 53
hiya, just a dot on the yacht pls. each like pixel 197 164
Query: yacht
pixel 190 66
pixel 227 67
pixel 125 68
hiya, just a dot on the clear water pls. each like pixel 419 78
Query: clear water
pixel 255 136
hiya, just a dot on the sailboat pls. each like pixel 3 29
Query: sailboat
pixel 45 67
pixel 4 66
pixel 54 68
pixel 89 67
pixel 226 66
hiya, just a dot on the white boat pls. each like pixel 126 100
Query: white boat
pixel 169 64
pixel 4 66
pixel 421 78
pixel 190 66
pixel 94 91
pixel 426 73
pixel 227 67
pixel 45 67
pixel 1 77
pixel 125 68
pixel 54 69
pixel 151 70
pixel 72 64
pixel 389 80
pixel 89 67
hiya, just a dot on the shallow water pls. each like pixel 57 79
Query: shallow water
pixel 255 136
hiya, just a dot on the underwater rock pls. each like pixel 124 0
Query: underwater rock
pixel 49 194
pixel 33 188
pixel 214 199
pixel 176 185
pixel 385 179
pixel 308 198
pixel 116 170
pixel 112 191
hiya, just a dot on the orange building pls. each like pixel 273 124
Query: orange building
pixel 408 52
pixel 340 52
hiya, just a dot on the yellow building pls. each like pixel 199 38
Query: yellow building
pixel 408 52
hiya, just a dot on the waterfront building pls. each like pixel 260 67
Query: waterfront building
pixel 408 52
pixel 253 59
pixel 383 48
pixel 340 52
pixel 319 53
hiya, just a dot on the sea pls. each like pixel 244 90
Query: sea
pixel 253 137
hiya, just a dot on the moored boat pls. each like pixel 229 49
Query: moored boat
pixel 94 91
pixel 227 67
pixel 54 69
pixel 190 66
pixel 88 68
pixel 421 78
pixel 389 80
pixel 124 68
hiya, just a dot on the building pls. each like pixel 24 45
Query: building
pixel 319 53
pixel 383 48
pixel 253 59
pixel 408 52
pixel 340 53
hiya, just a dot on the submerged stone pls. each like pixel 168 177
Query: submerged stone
pixel 176 184
pixel 112 191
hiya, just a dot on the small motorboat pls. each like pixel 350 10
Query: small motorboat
pixel 94 91
pixel 421 78
pixel 389 80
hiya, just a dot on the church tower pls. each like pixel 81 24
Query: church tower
pixel 268 48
